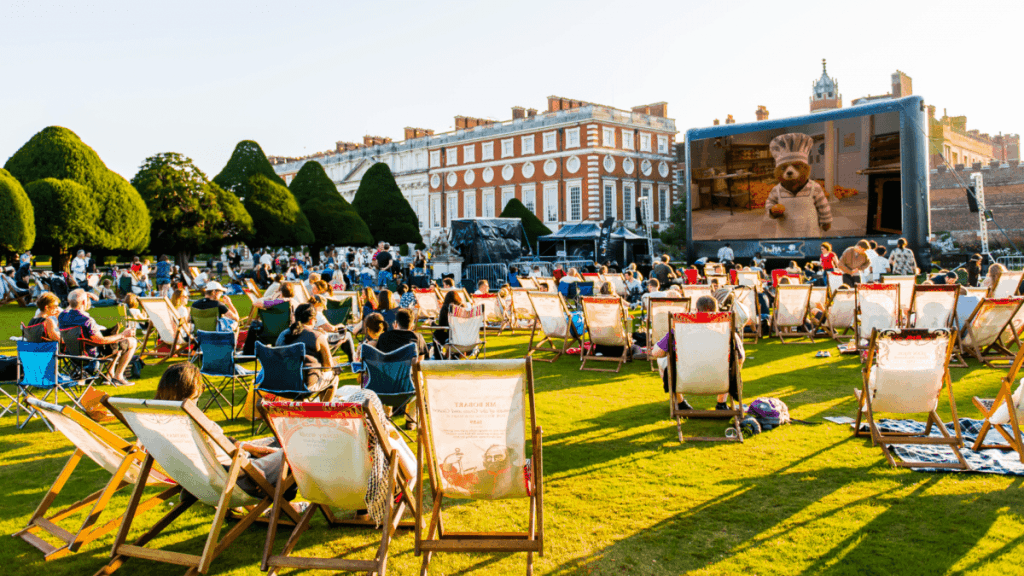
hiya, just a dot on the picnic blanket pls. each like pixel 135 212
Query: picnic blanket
pixel 992 461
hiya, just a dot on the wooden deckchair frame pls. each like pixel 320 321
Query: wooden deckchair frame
pixel 657 302
pixel 177 346
pixel 984 355
pixel 400 481
pixel 796 332
pixel 988 408
pixel 87 532
pixel 884 439
pixel 833 330
pixel 501 313
pixel 951 323
pixel 522 313
pixel 215 545
pixel 755 321
pixel 251 285
pixel 1009 277
pixel 437 538
pixel 873 287
pixel 623 320
pixel 549 340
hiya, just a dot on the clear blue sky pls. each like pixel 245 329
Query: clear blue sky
pixel 137 78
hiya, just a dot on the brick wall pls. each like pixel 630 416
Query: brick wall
pixel 1004 196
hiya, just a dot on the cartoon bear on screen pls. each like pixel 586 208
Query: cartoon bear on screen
pixel 797 204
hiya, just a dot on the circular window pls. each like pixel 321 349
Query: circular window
pixel 488 174
pixel 627 165
pixel 507 172
pixel 452 179
pixel 645 167
pixel 550 166
pixel 469 176
pixel 609 164
pixel 435 181
pixel 573 165
pixel 528 170
pixel 663 169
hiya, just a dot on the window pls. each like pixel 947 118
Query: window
pixel 608 137
pixel 453 208
pixel 435 158
pixel 469 204
pixel 627 139
pixel 550 142
pixel 575 202
pixel 507 148
pixel 662 144
pixel 573 136
pixel 528 142
pixel 551 202
pixel 488 205
pixel 435 212
pixel 469 154
pixel 645 192
pixel 452 157
pixel 627 202
pixel 530 197
pixel 507 194
pixel 645 142
pixel 609 200
pixel 663 204
pixel 487 151
pixel 421 160
pixel 421 212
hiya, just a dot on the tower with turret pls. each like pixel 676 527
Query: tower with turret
pixel 825 92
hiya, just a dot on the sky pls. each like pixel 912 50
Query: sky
pixel 134 79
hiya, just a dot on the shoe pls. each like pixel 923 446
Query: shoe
pixel 721 406
pixel 684 405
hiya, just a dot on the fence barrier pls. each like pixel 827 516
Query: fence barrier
pixel 1012 262
pixel 495 274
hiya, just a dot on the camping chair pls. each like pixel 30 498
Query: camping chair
pixel 205 320
pixel 878 307
pixel 980 334
pixel 746 297
pixel 528 283
pixel 840 312
pixel 932 306
pixel 378 474
pixel 390 375
pixel 195 453
pixel 458 453
pixel 275 320
pixel 701 362
pixel 906 284
pixel 466 336
pixel 119 458
pixel 607 325
pixel 659 312
pixel 217 350
pixel 790 315
pixel 1007 286
pixel 76 362
pixel 338 311
pixel 164 322
pixel 904 374
pixel 280 375
pixel 552 319
pixel 341 295
pixel 37 370
pixel 523 313
pixel 595 278
pixel 1005 410
pixel 494 313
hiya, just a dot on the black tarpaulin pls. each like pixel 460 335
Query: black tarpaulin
pixel 489 240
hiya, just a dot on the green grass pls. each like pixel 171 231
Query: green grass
pixel 624 497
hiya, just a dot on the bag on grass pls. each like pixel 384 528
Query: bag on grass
pixel 577 324
pixel 8 368
pixel 769 412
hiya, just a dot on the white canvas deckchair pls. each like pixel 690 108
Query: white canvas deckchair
pixel 840 313
pixel 553 321
pixel 904 374
pixel 748 278
pixel 719 279
pixel 618 284
pixel 1005 410
pixel 790 316
pixel 528 283
pixel 745 297
pixel 819 295
pixel 378 475
pixel 479 455
pixel 695 291
pixel 659 312
pixel 466 336
pixel 834 280
pixel 494 312
pixel 547 283
pixel 110 452
pixel 981 334
pixel 878 307
pixel 906 284
pixel 700 363
pixel 1007 285
pixel 523 314
pixel 168 327
pixel 606 320
pixel 300 294
pixel 193 451
pixel 933 306
pixel 427 304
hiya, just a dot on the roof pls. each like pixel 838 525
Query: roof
pixel 589 231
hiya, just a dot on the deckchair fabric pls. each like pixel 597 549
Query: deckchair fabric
pixel 841 312
pixel 342 295
pixel 522 308
pixel 606 320
pixel 906 284
pixel 494 316
pixel 834 280
pixel 1007 285
pixel 980 334
pixel 878 308
pixel 659 318
pixel 932 306
pixel 791 304
pixel 745 298
pixel 695 291
pixel 553 321
pixel 748 278
pixel 547 283
pixel 819 295
pixel 427 302
pixel 465 331
pixel 164 321
pixel 1005 412
pixel 528 283
pixel 618 284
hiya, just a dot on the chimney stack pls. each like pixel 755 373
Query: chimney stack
pixel 460 122
pixel 531 112
pixel 412 133
pixel 716 122
pixel 729 119
pixel 761 113
pixel 518 112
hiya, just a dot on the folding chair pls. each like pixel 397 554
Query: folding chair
pixel 607 325
pixel 356 302
pixel 280 375
pixel 205 320
pixel 275 320
pixel 107 450
pixel 494 316
pixel 427 304
pixel 834 281
pixel 301 294
pixel 878 307
pixel 195 453
pixel 904 374
pixel 932 306
pixel 692 276
pixel 819 295
pixel 840 312
pixel 378 475
pixel 390 375
pixel 164 322
pixel 701 362
pixel 479 458
pixel 746 297
pixel 1004 411
pixel 466 336
pixel 251 285
pixel 547 283
pixel 218 360
pixel 748 278
pixel 659 312
pixel 790 316
pixel 1007 285
pixel 579 290
pixel 906 284
pixel 719 279
pixel 338 311
pixel 980 334
pixel 522 309
pixel 553 322
pixel 76 362
pixel 37 370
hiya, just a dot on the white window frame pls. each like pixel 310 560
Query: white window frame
pixel 550 141
pixel 627 139
pixel 529 194
pixel 628 202
pixel 645 142
pixel 608 199
pixel 421 160
pixel 528 144
pixel 469 203
pixel 574 200
pixel 572 138
pixel 488 204
pixel 487 151
pixel 421 212
pixel 662 144
pixel 608 137
pixel 469 153
pixel 507 194
pixel 453 207
pixel 435 211
pixel 663 202
pixel 551 202
pixel 508 147
pixel 451 156
pixel 435 158
pixel 645 190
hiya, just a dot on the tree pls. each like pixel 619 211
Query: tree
pixel 276 216
pixel 188 212
pixel 121 220
pixel 68 219
pixel 17 218
pixel 333 220
pixel 531 224
pixel 674 237
pixel 386 212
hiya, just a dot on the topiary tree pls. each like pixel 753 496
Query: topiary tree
pixel 531 224
pixel 121 220
pixel 68 219
pixel 386 212
pixel 331 217
pixel 17 218
pixel 276 216
pixel 189 213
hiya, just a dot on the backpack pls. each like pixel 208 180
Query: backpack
pixel 577 325
pixel 769 412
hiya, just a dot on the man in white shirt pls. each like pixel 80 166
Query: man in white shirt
pixel 879 264
pixel 725 253
pixel 267 259
pixel 78 266
pixel 653 291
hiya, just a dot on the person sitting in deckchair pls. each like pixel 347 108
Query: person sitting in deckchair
pixel 660 351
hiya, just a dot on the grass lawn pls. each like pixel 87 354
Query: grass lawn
pixel 623 496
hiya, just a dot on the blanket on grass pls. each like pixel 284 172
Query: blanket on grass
pixel 992 461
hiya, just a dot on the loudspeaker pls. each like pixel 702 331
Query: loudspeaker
pixel 972 201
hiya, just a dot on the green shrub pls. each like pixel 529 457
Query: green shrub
pixel 333 220
pixel 17 218
pixel 386 212
pixel 531 224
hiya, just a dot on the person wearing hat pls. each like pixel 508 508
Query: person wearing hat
pixel 797 204
pixel 215 298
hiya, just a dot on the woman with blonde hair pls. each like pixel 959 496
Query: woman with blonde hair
pixel 47 309
pixel 995 272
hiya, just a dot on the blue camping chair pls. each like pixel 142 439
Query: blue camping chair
pixel 366 279
pixel 37 370
pixel 390 374
pixel 217 350
pixel 279 372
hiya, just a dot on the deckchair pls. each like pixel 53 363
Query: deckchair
pixel 341 295
pixel 904 374
pixel 878 307
pixel 553 322
pixel 164 322
pixel 748 278
pixel 746 297
pixel 790 315
pixel 107 450
pixel 659 312
pixel 1007 286
pixel 618 284
pixel 607 325
pixel 719 279
pixel 701 362
pixel 37 370
pixel 932 306
pixel 980 334
pixel 547 283
pixel 218 361
pixel 691 276
pixel 819 295
pixel 390 375
pixel 1005 410
pixel 906 284
pixel 528 283
pixel 427 303
pixel 781 273
pixel 250 284
pixel 522 309
pixel 494 312
pixel 596 279
pixel 466 336
pixel 483 457
pixel 834 281
pixel 301 295
pixel 194 452
pixel 378 475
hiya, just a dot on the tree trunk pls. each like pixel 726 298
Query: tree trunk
pixel 182 260
pixel 61 262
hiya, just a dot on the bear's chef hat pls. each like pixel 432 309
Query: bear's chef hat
pixel 793 147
